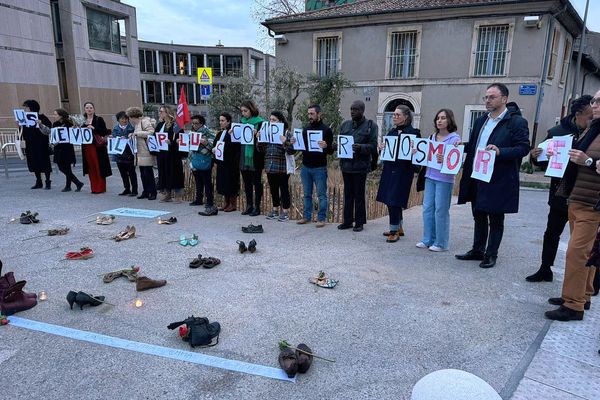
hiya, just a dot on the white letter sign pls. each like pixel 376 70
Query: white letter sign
pixel 406 146
pixel 314 137
pixel 345 143
pixel 483 167
pixel 453 156
pixel 220 150
pixel 422 147
pixel 557 164
pixel 299 145
pixel 390 147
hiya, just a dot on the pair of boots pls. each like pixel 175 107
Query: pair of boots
pixel 296 361
pixel 38 184
pixel 12 297
pixel 230 204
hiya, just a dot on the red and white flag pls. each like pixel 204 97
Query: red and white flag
pixel 183 114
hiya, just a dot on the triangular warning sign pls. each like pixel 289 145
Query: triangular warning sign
pixel 204 77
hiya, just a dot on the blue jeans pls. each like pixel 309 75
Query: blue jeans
pixel 318 177
pixel 436 213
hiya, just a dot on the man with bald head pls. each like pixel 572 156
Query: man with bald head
pixel 355 169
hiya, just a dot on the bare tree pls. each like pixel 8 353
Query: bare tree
pixel 285 87
pixel 265 9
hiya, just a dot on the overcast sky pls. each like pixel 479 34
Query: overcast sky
pixel 208 21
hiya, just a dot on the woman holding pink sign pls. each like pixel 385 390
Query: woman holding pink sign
pixel 143 127
pixel 438 188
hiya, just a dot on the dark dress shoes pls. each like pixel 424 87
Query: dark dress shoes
pixel 542 275
pixel 248 211
pixel 563 313
pixel 344 226
pixel 559 301
pixel 357 228
pixel 471 255
pixel 488 261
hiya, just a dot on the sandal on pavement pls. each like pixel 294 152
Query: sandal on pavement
pixel 210 262
pixel 323 281
pixel 128 233
pixel 169 221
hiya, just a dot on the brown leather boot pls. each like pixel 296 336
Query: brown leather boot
pixel 7 280
pixel 144 283
pixel 13 300
pixel 232 204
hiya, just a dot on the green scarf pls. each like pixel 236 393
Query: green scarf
pixel 249 148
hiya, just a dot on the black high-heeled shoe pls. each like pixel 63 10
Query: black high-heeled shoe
pixel 71 298
pixel 242 246
pixel 252 246
pixel 83 299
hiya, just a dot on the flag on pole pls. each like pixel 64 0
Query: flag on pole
pixel 183 114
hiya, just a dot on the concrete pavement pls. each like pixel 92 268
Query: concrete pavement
pixel 398 313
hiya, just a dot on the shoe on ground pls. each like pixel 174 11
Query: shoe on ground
pixel 542 275
pixel 358 228
pixel 125 192
pixel 288 362
pixel 209 211
pixel 196 203
pixel 471 255
pixel 152 196
pixel 79 186
pixel 303 221
pixel 165 198
pixel 559 301
pixel 283 217
pixel 344 226
pixel 393 237
pixel 133 194
pixel 253 229
pixel 422 245
pixel 437 249
pixel 255 212
pixel 563 313
pixel 400 232
pixel 320 224
pixel 488 262
pixel 144 195
pixel 273 214
pixel 304 360
pixel 66 189
pixel 144 283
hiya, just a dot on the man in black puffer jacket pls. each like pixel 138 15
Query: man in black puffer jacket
pixel 573 124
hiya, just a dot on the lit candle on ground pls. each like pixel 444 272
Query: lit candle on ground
pixel 139 303
pixel 42 296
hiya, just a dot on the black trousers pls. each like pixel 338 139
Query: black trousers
pixel 557 219
pixel 280 190
pixel 488 230
pixel 354 198
pixel 128 176
pixel 38 176
pixel 68 173
pixel 204 186
pixel 148 181
pixel 253 186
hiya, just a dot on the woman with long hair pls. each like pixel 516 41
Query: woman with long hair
pixel 228 170
pixel 64 153
pixel 438 188
pixel 276 169
pixel 142 128
pixel 170 167
pixel 37 145
pixel 397 176
pixel 96 163
pixel 251 161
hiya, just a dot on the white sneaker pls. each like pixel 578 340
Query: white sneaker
pixel 421 245
pixel 436 248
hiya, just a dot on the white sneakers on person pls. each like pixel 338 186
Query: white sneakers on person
pixel 436 249
pixel 421 245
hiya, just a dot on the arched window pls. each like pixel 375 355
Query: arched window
pixel 389 111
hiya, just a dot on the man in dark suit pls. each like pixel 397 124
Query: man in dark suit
pixel 504 131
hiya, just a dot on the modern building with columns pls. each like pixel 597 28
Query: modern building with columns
pixel 165 68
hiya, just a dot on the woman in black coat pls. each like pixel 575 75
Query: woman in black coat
pixel 170 167
pixel 397 176
pixel 96 163
pixel 64 153
pixel 228 170
pixel 37 145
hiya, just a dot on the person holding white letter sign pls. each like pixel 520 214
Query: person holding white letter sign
pixel 397 176
pixel 37 150
pixel 355 169
pixel 505 132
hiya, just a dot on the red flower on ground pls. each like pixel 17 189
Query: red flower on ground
pixel 183 331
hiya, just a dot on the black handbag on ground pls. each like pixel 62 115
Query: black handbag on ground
pixel 200 332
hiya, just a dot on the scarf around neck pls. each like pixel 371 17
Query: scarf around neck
pixel 249 148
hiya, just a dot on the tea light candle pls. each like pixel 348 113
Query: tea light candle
pixel 42 296
pixel 138 303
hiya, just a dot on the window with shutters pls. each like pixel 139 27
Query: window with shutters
pixel 565 61
pixel 553 55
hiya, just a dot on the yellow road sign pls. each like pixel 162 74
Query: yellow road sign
pixel 205 76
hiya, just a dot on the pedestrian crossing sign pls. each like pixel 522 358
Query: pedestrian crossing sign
pixel 205 76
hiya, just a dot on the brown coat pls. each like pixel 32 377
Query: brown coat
pixel 141 131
